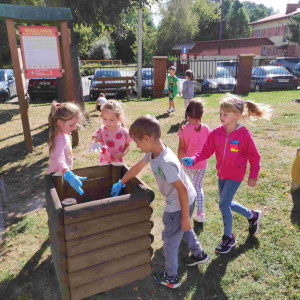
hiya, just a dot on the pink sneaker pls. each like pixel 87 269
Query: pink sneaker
pixel 199 217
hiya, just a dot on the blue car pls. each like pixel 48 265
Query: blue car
pixel 223 82
pixel 272 78
pixel 147 82
pixel 7 84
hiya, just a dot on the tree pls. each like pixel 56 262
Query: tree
pixel 294 28
pixel 258 11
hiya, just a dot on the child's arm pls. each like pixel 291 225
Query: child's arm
pixel 181 149
pixel 184 203
pixel 254 161
pixel 132 172
pixel 118 155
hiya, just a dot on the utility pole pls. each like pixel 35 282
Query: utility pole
pixel 221 29
pixel 140 42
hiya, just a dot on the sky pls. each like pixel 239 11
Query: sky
pixel 276 4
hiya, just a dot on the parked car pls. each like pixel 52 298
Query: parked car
pixel 7 84
pixel 223 82
pixel 120 92
pixel 147 82
pixel 271 78
pixel 296 73
pixel 230 65
pixel 42 89
pixel 287 62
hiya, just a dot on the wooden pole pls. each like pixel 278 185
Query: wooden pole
pixel 23 103
pixel 68 71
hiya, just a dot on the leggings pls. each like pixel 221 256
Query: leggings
pixel 197 176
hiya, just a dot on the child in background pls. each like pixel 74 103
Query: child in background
pixel 112 134
pixel 188 87
pixel 180 195
pixel 100 101
pixel 234 146
pixel 192 138
pixel 63 119
pixel 171 88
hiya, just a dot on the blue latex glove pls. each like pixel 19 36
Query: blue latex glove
pixel 187 161
pixel 116 189
pixel 75 181
pixel 165 91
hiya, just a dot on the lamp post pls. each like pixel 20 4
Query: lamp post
pixel 221 29
pixel 140 38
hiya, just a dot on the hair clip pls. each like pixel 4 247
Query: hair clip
pixel 57 104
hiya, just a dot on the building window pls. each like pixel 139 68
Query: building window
pixel 277 30
pixel 257 33
pixel 270 32
pixel 263 51
pixel 195 57
pixel 275 49
pixel 263 33
pixel 269 51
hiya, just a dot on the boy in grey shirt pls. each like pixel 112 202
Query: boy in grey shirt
pixel 180 195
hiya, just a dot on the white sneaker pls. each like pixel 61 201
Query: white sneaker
pixel 173 109
pixel 169 110
pixel 199 218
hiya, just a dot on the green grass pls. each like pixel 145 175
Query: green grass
pixel 266 266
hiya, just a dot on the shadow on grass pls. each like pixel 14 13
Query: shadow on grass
pixel 163 116
pixel 295 214
pixel 7 115
pixel 199 284
pixel 174 128
pixel 143 100
pixel 35 278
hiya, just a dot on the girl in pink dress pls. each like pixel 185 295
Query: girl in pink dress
pixel 192 137
pixel 63 119
pixel 112 134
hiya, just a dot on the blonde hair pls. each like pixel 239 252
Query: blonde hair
pixel 248 109
pixel 194 110
pixel 114 107
pixel 64 112
pixel 145 125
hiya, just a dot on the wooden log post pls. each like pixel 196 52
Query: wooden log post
pixel 295 186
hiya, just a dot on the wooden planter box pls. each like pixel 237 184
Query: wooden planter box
pixel 101 242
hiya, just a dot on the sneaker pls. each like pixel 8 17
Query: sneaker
pixel 202 258
pixel 169 281
pixel 254 222
pixel 173 109
pixel 199 217
pixel 226 244
pixel 169 110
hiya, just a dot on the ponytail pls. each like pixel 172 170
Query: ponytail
pixel 257 111
pixel 183 123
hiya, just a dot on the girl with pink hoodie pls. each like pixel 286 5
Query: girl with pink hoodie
pixel 234 146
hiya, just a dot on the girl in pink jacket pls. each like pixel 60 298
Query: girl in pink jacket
pixel 233 145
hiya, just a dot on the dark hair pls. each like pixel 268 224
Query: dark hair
pixel 145 125
pixel 172 68
pixel 190 74
pixel 101 95
pixel 194 110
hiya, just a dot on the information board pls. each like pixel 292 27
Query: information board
pixel 40 51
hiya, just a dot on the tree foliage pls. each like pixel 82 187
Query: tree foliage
pixel 294 29
pixel 258 11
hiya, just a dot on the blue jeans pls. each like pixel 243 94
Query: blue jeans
pixel 172 236
pixel 227 190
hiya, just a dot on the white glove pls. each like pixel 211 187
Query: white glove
pixel 95 147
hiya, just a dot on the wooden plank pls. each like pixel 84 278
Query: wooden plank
pixel 57 242
pixel 93 190
pixel 116 84
pixel 94 172
pixel 114 78
pixel 110 282
pixel 102 255
pixel 92 226
pixel 19 83
pixel 116 174
pixel 104 207
pixel 107 238
pixel 58 182
pixel 109 268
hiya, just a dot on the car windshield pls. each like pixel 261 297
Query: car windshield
pixel 278 70
pixel 107 73
pixel 147 75
pixel 2 77
pixel 223 73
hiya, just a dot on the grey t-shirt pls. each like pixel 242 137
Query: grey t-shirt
pixel 167 169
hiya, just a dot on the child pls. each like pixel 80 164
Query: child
pixel 111 134
pixel 100 101
pixel 233 145
pixel 188 87
pixel 180 196
pixel 63 119
pixel 171 88
pixel 191 138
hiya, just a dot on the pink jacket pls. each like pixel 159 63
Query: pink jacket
pixel 232 153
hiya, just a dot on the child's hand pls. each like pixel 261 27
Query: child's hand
pixel 165 91
pixel 186 224
pixel 118 155
pixel 116 189
pixel 187 161
pixel 252 182
pixel 75 181
pixel 94 147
